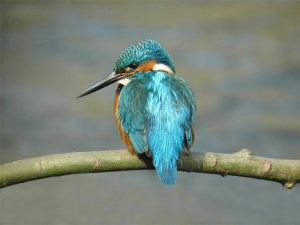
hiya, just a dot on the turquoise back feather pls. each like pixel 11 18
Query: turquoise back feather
pixel 157 111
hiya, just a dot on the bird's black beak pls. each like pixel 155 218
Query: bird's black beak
pixel 112 78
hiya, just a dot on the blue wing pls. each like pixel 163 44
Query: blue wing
pixel 134 106
pixel 185 99
pixel 132 114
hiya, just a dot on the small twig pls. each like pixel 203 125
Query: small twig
pixel 241 163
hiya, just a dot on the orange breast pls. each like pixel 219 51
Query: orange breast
pixel 124 136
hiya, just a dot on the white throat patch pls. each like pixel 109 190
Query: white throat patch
pixel 162 67
pixel 123 81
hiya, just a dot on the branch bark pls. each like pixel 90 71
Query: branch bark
pixel 241 163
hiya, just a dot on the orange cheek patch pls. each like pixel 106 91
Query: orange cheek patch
pixel 148 65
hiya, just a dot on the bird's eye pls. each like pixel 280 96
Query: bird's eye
pixel 133 65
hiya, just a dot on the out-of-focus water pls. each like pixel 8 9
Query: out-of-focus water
pixel 240 57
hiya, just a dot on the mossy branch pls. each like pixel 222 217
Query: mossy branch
pixel 241 163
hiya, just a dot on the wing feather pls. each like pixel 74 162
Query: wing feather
pixel 133 113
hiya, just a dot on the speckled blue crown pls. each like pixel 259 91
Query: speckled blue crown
pixel 143 51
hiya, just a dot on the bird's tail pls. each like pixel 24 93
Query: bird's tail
pixel 165 145
pixel 167 171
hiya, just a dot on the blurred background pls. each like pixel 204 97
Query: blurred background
pixel 240 57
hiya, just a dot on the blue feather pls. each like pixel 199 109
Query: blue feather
pixel 157 110
pixel 143 51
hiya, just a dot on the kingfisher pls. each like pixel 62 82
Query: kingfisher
pixel 154 108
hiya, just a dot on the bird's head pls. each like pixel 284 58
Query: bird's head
pixel 142 56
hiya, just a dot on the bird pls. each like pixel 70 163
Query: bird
pixel 154 108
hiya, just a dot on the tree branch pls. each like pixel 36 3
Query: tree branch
pixel 241 163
